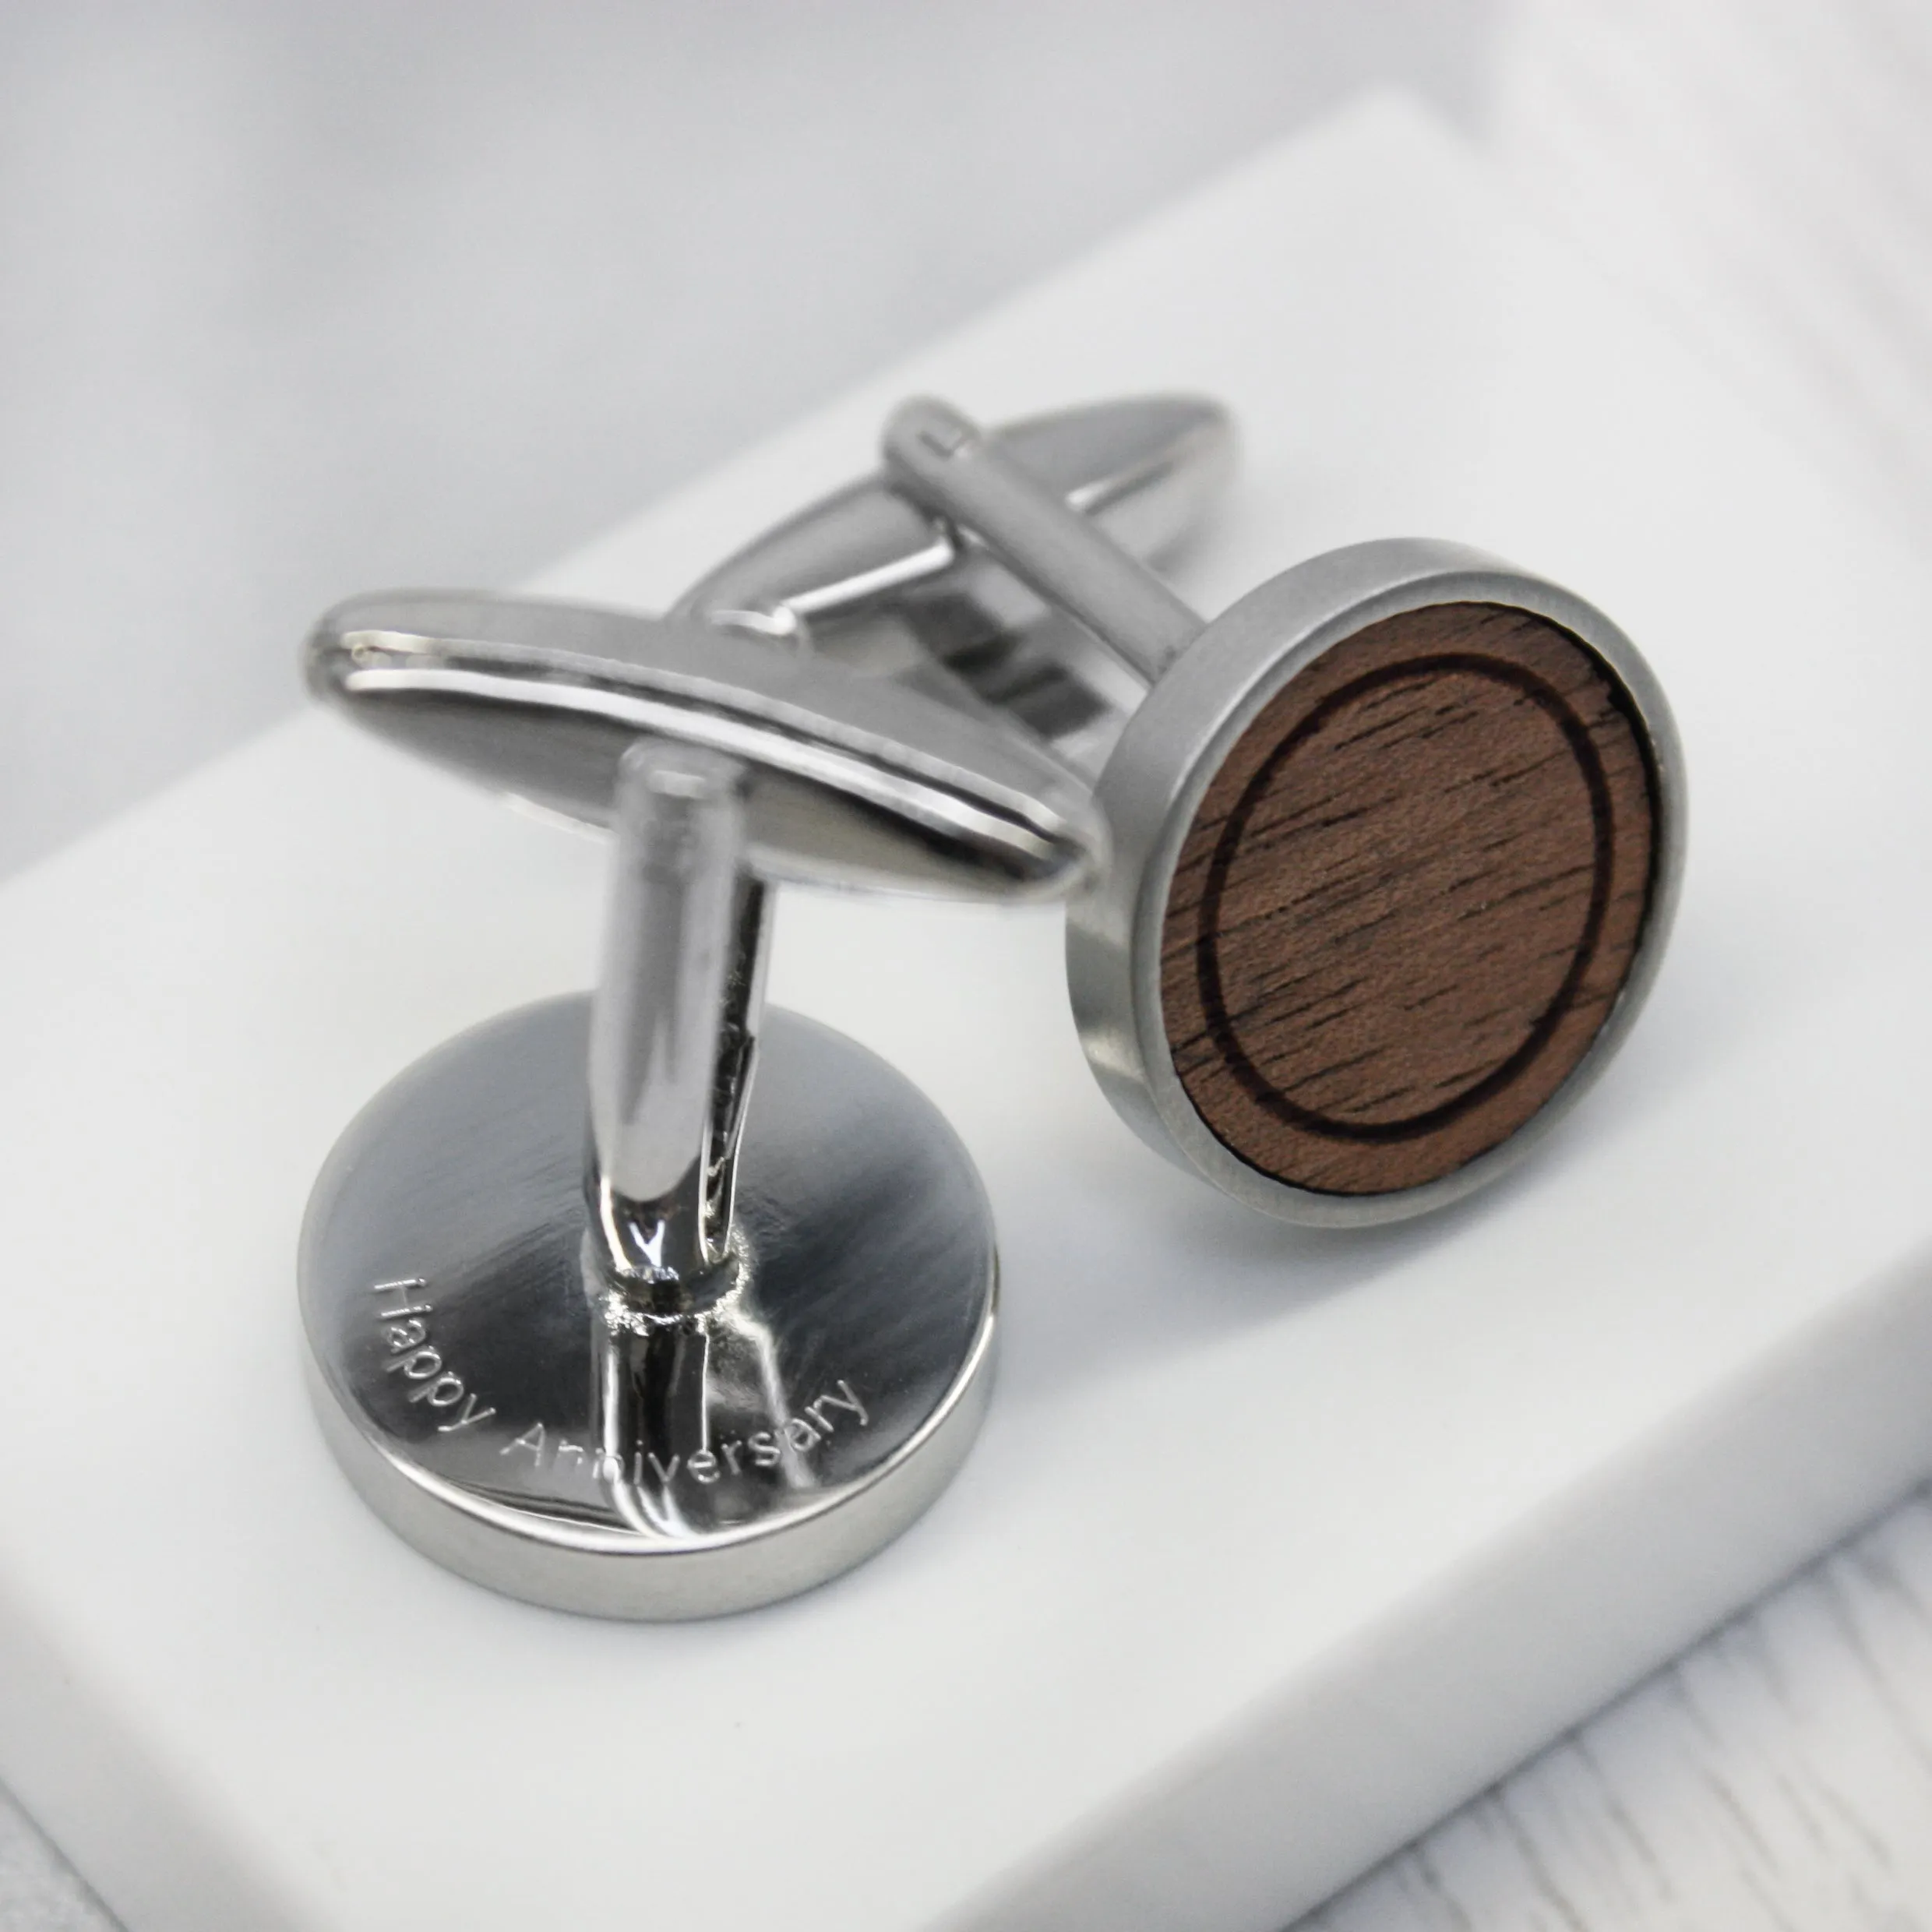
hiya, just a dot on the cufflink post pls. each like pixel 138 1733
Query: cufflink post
pixel 674 1023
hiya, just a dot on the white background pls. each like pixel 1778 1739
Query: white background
pixel 294 300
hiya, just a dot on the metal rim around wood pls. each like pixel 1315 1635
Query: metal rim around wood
pixel 1196 724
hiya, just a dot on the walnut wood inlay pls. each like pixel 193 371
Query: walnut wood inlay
pixel 1409 899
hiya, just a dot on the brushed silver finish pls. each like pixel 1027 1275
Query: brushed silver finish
pixel 498 1410
pixel 746 1335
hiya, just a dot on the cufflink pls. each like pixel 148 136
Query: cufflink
pixel 867 578
pixel 595 1316
pixel 1396 840
pixel 1396 845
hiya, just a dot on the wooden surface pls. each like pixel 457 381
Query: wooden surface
pixel 39 1891
pixel 1409 899
pixel 1777 1777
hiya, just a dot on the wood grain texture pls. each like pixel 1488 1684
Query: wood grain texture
pixel 1777 1777
pixel 1409 899
pixel 39 1891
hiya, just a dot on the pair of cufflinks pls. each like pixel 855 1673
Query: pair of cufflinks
pixel 1367 878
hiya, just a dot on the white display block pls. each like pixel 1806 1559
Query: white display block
pixel 1277 1543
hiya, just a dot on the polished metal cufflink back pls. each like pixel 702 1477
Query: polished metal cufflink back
pixel 748 1336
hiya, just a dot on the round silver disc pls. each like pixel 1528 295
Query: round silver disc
pixel 528 1432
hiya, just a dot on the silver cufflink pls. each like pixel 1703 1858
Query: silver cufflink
pixel 596 1317
pixel 1396 840
pixel 1372 877
pixel 1396 847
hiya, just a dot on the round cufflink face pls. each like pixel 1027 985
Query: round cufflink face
pixel 1397 848
pixel 510 1417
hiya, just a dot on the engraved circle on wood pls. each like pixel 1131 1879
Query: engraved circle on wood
pixel 1409 899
